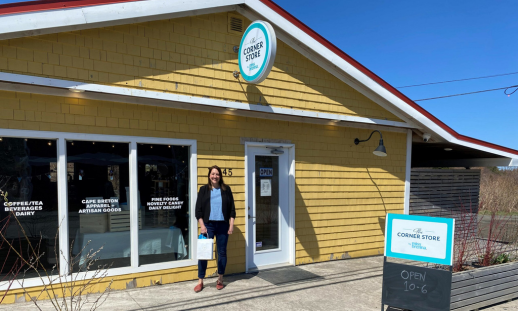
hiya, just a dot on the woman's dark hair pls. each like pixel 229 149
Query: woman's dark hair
pixel 221 182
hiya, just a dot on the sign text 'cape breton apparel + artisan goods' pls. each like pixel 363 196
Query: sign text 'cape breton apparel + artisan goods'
pixel 257 52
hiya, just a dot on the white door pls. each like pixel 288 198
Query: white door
pixel 268 206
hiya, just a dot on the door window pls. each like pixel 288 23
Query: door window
pixel 266 202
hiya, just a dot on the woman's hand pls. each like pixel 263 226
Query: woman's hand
pixel 203 229
pixel 231 225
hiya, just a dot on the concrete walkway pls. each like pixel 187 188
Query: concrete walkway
pixel 353 284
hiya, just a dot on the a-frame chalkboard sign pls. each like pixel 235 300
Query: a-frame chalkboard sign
pixel 411 287
pixel 415 288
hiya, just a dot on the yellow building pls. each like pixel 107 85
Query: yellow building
pixel 112 111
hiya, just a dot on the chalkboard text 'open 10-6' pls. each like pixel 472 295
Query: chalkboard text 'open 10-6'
pixel 408 276
pixel 416 288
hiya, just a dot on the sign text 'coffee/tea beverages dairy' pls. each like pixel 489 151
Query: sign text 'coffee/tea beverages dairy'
pixel 257 52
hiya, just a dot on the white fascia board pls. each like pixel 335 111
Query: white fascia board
pixel 149 8
pixel 474 162
pixel 30 24
pixel 45 22
pixel 414 117
pixel 486 149
pixel 199 101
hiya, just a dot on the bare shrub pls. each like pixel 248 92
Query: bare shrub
pixel 492 229
pixel 466 233
pixel 66 291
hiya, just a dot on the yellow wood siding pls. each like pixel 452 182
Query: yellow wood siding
pixel 339 210
pixel 189 56
pixel 339 186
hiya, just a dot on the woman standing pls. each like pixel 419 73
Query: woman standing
pixel 215 211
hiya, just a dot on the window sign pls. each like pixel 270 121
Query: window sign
pixel 257 52
pixel 428 239
pixel 266 187
pixel 163 182
pixel 98 196
pixel 266 172
pixel 27 174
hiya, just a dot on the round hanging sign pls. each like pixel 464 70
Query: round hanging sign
pixel 257 52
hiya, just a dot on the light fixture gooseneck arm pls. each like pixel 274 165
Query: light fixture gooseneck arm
pixel 380 151
pixel 357 141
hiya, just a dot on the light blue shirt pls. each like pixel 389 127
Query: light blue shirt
pixel 216 204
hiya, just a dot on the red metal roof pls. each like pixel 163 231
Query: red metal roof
pixel 43 5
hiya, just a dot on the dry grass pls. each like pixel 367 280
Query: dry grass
pixel 499 191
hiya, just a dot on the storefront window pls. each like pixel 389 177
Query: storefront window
pixel 163 182
pixel 28 175
pixel 98 203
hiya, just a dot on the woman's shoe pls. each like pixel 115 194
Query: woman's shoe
pixel 219 285
pixel 198 288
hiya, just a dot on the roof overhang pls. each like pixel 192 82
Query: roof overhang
pixel 41 17
pixel 445 154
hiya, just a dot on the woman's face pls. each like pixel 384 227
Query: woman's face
pixel 214 177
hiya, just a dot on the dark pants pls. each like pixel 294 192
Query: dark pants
pixel 220 230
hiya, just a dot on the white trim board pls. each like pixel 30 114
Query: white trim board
pixel 408 172
pixel 95 16
pixel 49 86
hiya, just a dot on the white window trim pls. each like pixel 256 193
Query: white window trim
pixel 61 139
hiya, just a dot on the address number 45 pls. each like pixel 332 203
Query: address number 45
pixel 226 171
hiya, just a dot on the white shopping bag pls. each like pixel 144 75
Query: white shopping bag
pixel 205 249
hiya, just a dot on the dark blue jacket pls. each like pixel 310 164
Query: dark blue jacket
pixel 203 204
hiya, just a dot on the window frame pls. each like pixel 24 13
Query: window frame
pixel 61 140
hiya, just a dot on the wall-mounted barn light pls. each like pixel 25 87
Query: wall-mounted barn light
pixel 380 151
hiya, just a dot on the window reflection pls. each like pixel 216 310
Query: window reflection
pixel 267 202
pixel 98 202
pixel 28 175
pixel 163 182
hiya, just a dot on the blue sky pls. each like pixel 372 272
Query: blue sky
pixel 413 42
pixel 12 1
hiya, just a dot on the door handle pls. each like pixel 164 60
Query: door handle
pixel 250 217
